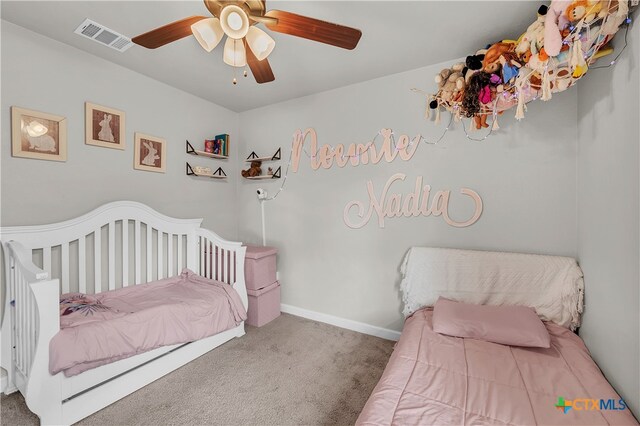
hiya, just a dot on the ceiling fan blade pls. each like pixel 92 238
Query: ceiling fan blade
pixel 167 33
pixel 314 29
pixel 261 69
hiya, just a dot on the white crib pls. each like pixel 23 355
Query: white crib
pixel 119 244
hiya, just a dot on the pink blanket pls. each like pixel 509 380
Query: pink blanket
pixel 432 379
pixel 106 327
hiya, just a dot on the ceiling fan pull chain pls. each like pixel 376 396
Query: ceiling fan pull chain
pixel 235 80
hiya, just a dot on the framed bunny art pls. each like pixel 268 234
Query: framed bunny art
pixel 38 135
pixel 104 126
pixel 149 153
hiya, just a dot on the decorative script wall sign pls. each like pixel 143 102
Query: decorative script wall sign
pixel 355 153
pixel 413 205
pixel 387 205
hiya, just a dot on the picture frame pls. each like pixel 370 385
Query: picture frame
pixel 104 126
pixel 149 153
pixel 38 135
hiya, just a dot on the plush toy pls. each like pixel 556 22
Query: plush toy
pixel 254 170
pixel 474 62
pixel 451 84
pixel 473 65
pixel 442 76
pixel 532 40
pixel 451 90
pixel 587 9
pixel 491 62
pixel 554 22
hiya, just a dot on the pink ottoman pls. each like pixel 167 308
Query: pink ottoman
pixel 264 305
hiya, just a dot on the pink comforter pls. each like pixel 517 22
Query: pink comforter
pixel 433 379
pixel 97 330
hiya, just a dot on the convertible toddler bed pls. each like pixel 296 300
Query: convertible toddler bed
pixel 142 295
pixel 438 379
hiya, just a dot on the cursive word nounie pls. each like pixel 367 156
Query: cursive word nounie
pixel 355 153
pixel 414 204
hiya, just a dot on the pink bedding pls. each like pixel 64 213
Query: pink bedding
pixel 106 327
pixel 432 379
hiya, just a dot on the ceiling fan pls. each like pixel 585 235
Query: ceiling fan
pixel 246 43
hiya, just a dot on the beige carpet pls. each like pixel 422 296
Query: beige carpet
pixel 290 372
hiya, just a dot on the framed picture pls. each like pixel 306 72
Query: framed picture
pixel 104 126
pixel 149 153
pixel 38 135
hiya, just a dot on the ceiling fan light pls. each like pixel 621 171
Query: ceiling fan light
pixel 234 21
pixel 208 32
pixel 261 43
pixel 234 53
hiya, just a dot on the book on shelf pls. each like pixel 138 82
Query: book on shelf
pixel 217 147
pixel 209 146
pixel 224 142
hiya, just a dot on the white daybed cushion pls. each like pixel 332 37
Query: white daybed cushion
pixel 552 285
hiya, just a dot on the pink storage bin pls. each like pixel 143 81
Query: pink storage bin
pixel 264 305
pixel 260 267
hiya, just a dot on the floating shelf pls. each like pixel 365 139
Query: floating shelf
pixel 218 174
pixel 275 175
pixel 192 151
pixel 254 157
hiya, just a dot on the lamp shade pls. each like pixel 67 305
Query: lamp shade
pixel 208 32
pixel 234 53
pixel 234 21
pixel 261 43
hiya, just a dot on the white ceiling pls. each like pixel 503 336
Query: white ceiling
pixel 397 36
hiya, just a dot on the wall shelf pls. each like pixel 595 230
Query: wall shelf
pixel 218 174
pixel 275 175
pixel 254 157
pixel 192 151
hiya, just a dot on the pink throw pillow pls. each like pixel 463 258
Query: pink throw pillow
pixel 507 325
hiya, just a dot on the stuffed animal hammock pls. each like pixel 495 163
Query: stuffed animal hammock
pixel 552 54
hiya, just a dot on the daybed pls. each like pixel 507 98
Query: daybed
pixel 117 246
pixel 436 379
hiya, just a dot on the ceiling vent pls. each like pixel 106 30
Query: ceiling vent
pixel 103 35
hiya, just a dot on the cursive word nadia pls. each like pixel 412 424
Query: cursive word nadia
pixel 355 153
pixel 413 205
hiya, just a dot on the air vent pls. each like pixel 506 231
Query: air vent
pixel 103 35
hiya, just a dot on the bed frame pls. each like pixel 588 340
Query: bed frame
pixel 117 245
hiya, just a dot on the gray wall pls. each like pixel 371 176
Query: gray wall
pixel 525 173
pixel 45 75
pixel 608 218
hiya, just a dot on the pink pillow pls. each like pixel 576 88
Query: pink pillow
pixel 507 325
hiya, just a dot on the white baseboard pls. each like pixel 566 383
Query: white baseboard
pixel 360 327
pixel 3 380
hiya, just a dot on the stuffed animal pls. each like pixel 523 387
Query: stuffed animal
pixel 532 40
pixel 453 87
pixel 554 22
pixel 587 9
pixel 491 62
pixel 254 170
pixel 442 76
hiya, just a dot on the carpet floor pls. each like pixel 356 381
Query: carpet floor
pixel 292 371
